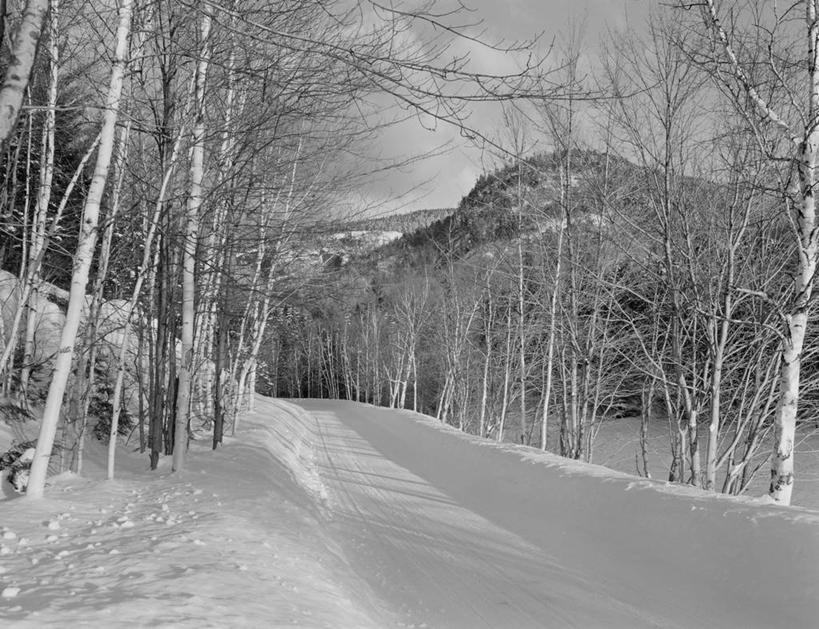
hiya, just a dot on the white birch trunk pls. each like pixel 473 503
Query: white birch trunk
pixel 251 386
pixel 27 285
pixel 82 385
pixel 506 372
pixel 524 425
pixel 415 380
pixel 84 255
pixel 197 174
pixel 550 343
pixel 782 467
pixel 43 193
pixel 216 242
pixel 23 53
pixel 781 487
pixel 806 145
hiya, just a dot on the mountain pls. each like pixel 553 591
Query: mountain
pixel 522 199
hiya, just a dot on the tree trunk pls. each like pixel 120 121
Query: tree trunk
pixel 487 361
pixel 31 269
pixel 197 174
pixel 219 377
pixel 129 313
pixel 43 195
pixel 781 486
pixel 82 264
pixel 506 372
pixel 23 53
pixel 550 343
pixel 805 141
pixel 85 371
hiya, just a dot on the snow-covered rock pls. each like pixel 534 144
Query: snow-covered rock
pixel 49 317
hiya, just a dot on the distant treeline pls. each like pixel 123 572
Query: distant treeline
pixel 404 223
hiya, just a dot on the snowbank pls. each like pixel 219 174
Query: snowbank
pixel 234 541
pixel 581 468
pixel 290 434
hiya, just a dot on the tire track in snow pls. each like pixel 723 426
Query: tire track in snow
pixel 397 553
pixel 434 561
pixel 640 554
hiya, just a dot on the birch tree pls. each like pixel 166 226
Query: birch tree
pixel 83 256
pixel 779 100
pixel 561 127
pixel 23 52
pixel 132 305
pixel 38 231
pixel 194 202
pixel 656 107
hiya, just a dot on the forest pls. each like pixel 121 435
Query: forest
pixel 178 230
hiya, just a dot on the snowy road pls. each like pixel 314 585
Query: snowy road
pixel 449 532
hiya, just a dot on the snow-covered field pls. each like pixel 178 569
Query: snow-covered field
pixel 336 514
pixel 618 444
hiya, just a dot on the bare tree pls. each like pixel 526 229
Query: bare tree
pixel 23 53
pixel 192 218
pixel 85 252
pixel 783 116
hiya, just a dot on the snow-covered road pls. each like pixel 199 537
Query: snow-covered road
pixel 452 532
pixel 346 516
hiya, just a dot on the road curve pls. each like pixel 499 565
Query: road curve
pixel 452 533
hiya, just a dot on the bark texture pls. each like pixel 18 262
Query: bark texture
pixel 23 53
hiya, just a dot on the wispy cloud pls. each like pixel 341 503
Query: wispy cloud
pixel 441 181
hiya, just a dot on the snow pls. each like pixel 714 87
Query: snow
pixel 49 319
pixel 232 541
pixel 336 514
pixel 617 446
pixel 370 238
pixel 461 532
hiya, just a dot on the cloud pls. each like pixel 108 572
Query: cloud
pixel 440 181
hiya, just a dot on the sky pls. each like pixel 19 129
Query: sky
pixel 441 180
